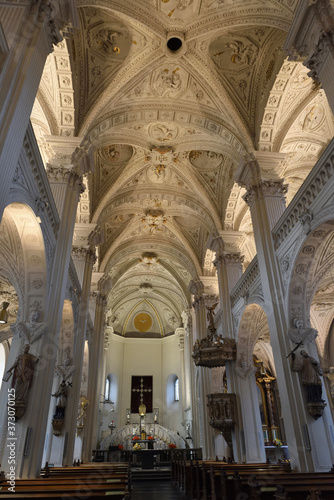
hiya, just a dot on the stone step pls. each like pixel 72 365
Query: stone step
pixel 156 474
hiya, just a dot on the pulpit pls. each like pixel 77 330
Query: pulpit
pixel 223 414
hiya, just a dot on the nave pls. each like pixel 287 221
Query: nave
pixel 156 490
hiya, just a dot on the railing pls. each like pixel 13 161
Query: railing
pixel 243 285
pixel 311 188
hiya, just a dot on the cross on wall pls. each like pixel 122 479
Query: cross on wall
pixel 141 390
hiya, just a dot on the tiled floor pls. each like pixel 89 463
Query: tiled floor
pixel 155 490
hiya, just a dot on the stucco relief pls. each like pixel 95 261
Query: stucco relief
pixel 163 132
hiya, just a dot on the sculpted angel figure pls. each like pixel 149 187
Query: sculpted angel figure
pixel 210 313
pixel 30 330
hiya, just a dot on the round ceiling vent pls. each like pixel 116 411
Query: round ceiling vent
pixel 174 43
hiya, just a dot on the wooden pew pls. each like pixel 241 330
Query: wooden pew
pixel 72 483
pixel 228 481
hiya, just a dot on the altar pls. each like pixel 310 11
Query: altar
pixel 147 459
pixel 145 444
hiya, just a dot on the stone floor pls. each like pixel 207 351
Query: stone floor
pixel 156 490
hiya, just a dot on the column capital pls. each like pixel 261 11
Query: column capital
pixel 101 300
pixel 187 321
pixel 311 19
pixel 83 254
pixel 228 259
pixel 65 174
pixel 196 288
pixel 259 166
pixel 324 46
pixel 198 301
pixel 265 189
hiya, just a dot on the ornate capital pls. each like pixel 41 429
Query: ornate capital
pixel 63 174
pixel 83 254
pixel 324 46
pixel 196 288
pixel 263 189
pixel 101 300
pixel 198 301
pixel 274 188
pixel 228 259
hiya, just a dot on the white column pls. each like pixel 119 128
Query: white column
pixel 311 40
pixel 188 373
pixel 251 421
pixel 94 379
pixel 229 270
pixel 20 76
pixel 80 338
pixel 258 197
pixel 203 374
pixel 30 461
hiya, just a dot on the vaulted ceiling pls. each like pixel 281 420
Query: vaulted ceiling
pixel 165 130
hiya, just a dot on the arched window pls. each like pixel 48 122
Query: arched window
pixel 172 391
pixel 107 389
pixel 176 390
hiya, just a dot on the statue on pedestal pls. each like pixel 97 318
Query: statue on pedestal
pixel 23 372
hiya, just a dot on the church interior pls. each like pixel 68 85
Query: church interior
pixel 167 232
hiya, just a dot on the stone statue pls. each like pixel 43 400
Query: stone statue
pixel 330 376
pixel 311 371
pixel 23 372
pixel 210 314
pixel 61 396
pixel 81 417
pixel 30 330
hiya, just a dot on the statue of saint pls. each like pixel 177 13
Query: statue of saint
pixel 23 374
pixel 61 396
pixel 311 370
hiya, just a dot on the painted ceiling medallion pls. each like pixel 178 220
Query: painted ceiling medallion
pixel 143 322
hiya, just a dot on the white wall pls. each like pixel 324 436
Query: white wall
pixel 156 357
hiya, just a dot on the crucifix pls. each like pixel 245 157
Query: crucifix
pixel 141 390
